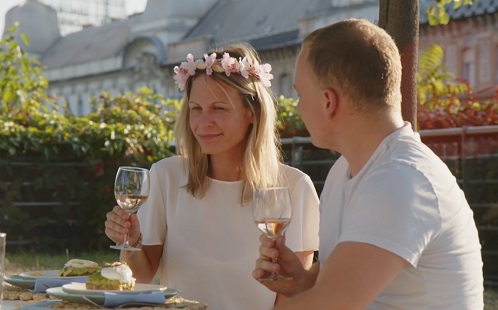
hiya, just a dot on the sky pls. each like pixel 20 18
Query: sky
pixel 132 6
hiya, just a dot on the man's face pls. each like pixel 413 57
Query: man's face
pixel 311 100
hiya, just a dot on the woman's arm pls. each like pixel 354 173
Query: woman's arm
pixel 143 263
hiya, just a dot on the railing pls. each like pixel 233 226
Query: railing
pixel 471 153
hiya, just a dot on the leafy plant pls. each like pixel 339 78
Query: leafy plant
pixel 434 82
pixel 21 83
pixel 436 11
pixel 445 101
pixel 289 122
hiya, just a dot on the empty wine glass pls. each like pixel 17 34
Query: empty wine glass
pixel 272 211
pixel 131 189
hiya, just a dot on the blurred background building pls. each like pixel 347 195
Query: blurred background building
pixel 77 14
pixel 90 46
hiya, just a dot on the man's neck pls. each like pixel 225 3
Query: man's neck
pixel 364 137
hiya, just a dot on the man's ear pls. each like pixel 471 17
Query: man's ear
pixel 331 101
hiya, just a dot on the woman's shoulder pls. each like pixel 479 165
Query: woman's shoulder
pixel 172 160
pixel 173 164
pixel 300 184
pixel 292 174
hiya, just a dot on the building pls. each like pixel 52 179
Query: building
pixel 469 41
pixel 142 49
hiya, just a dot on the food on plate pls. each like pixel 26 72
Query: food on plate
pixel 114 276
pixel 79 267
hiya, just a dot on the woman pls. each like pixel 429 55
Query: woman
pixel 197 224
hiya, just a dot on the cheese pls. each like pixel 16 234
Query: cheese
pixel 122 273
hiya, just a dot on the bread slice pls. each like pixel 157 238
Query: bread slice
pixel 79 267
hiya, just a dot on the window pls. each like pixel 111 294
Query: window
pixel 285 85
pixel 80 107
pixel 496 65
pixel 468 68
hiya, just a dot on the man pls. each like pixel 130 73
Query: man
pixel 396 231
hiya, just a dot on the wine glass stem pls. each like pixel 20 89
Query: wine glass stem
pixel 274 274
pixel 126 243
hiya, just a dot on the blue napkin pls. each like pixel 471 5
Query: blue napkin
pixel 42 283
pixel 116 299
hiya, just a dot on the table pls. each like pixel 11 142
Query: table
pixel 16 298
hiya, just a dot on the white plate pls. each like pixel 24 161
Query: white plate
pixel 17 280
pixel 45 274
pixel 99 299
pixel 80 289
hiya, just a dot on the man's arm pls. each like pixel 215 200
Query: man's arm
pixel 306 258
pixel 351 277
pixel 289 264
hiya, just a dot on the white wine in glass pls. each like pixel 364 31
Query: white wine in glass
pixel 131 189
pixel 272 212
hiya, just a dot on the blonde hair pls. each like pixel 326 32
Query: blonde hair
pixel 262 155
pixel 361 59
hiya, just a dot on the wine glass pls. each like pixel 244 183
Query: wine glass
pixel 272 211
pixel 131 189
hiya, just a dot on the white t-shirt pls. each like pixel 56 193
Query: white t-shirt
pixel 406 200
pixel 211 244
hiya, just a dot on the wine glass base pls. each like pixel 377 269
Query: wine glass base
pixel 124 248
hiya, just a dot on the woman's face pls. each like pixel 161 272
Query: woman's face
pixel 218 118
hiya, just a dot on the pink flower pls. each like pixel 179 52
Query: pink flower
pixel 189 65
pixel 209 61
pixel 181 76
pixel 227 65
pixel 244 67
pixel 263 71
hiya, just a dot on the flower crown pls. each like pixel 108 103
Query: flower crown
pixel 226 64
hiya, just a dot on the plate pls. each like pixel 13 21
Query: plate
pixel 28 279
pixel 140 288
pixel 20 281
pixel 45 274
pixel 99 299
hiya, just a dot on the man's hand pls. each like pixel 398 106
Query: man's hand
pixel 274 256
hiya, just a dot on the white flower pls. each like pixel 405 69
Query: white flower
pixel 189 65
pixel 209 61
pixel 244 67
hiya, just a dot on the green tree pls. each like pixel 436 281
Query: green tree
pixel 22 84
pixel 436 11
pixel 52 160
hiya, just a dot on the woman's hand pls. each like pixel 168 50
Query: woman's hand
pixel 118 223
pixel 287 264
